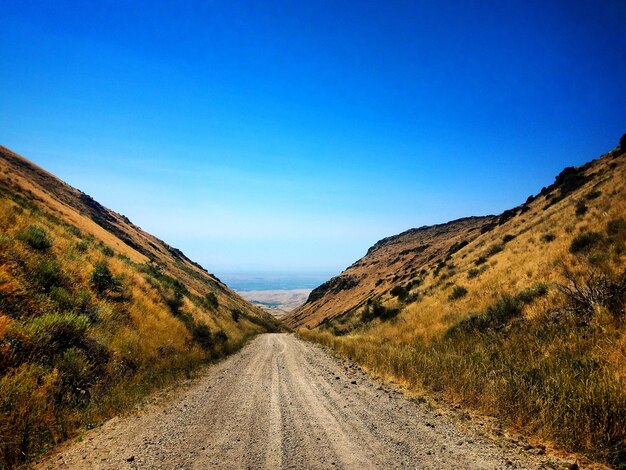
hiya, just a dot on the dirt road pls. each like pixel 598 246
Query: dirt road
pixel 283 403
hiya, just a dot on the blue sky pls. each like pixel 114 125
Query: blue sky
pixel 290 136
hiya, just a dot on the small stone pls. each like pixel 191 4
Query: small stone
pixel 131 458
pixel 353 382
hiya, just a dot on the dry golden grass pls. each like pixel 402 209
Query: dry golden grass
pixel 545 365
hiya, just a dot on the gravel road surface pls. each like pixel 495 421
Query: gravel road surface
pixel 285 403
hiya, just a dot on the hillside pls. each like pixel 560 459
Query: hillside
pixel 392 261
pixel 94 312
pixel 519 315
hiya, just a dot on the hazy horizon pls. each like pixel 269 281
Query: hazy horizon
pixel 291 137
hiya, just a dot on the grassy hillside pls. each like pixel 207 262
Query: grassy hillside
pixel 94 312
pixel 519 315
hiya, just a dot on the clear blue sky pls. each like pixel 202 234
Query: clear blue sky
pixel 287 135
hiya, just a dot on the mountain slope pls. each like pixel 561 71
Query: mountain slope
pixel 520 315
pixel 94 311
pixel 391 261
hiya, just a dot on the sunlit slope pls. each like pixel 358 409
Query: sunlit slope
pixel 487 255
pixel 94 312
pixel 521 315
pixel 392 261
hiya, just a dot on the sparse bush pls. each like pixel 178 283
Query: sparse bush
pixel 480 260
pixel 202 335
pixel 472 273
pixel 507 238
pixel 235 314
pixel 458 292
pixel 585 293
pixel 211 300
pixel 400 292
pixel 581 208
pixel 45 336
pixel 493 250
pixel 174 301
pixel 584 241
pixel 36 238
pixel 376 310
pixel 83 304
pixel 593 195
pixel 498 315
pixel 616 229
pixel 548 237
pixel 221 337
pixel 102 280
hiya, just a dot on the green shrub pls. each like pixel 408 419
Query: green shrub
pixel 107 250
pixel 584 241
pixel 81 246
pixel 47 274
pixel 472 273
pixel 495 317
pixel 41 338
pixel 529 294
pixel 36 238
pixel 102 280
pixel 76 373
pixel 61 297
pixel 458 292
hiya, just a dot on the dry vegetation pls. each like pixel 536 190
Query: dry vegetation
pixel 91 322
pixel 524 321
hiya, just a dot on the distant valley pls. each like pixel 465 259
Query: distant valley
pixel 277 302
pixel 276 293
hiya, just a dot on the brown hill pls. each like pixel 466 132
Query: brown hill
pixel 391 261
pixel 520 315
pixel 94 311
